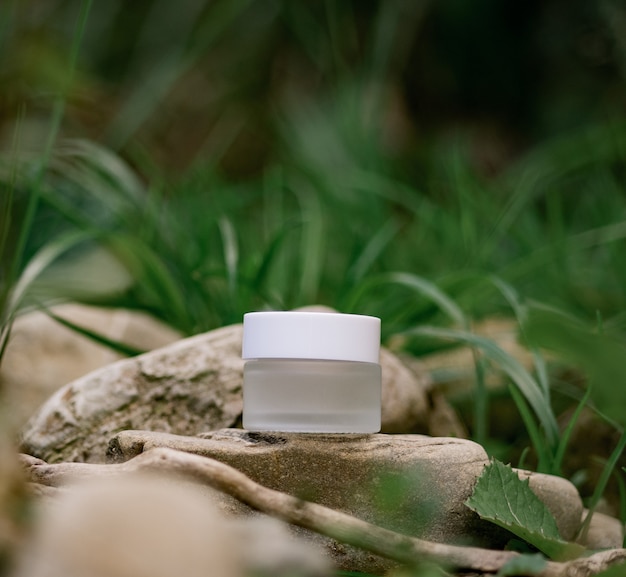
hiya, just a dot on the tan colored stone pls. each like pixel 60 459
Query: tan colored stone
pixel 188 387
pixel 409 483
pixel 43 355
pixel 140 526
pixel 605 532
pixel 404 396
pixel 191 386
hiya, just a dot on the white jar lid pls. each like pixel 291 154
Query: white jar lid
pixel 311 335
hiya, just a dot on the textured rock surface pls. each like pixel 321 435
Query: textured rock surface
pixel 410 483
pixel 43 355
pixel 186 388
pixel 190 386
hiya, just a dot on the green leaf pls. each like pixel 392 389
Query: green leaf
pixel 501 497
pixel 529 564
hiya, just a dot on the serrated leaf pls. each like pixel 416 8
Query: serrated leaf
pixel 501 497
pixel 523 565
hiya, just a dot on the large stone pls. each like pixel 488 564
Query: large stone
pixel 138 525
pixel 154 525
pixel 604 532
pixel 409 483
pixel 192 386
pixel 43 355
pixel 185 388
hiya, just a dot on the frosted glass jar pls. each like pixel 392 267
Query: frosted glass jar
pixel 311 372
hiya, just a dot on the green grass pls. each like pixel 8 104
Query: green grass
pixel 200 251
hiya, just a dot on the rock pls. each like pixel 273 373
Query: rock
pixel 604 532
pixel 270 549
pixel 146 525
pixel 14 500
pixel 409 483
pixel 43 355
pixel 141 526
pixel 404 396
pixel 186 388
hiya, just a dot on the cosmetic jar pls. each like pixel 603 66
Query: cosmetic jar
pixel 311 372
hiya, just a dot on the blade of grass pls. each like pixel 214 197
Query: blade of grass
pixel 481 401
pixel 37 264
pixel 312 245
pixel 372 250
pixel 271 254
pixel 6 206
pixel 543 453
pixel 57 116
pixel 153 277
pixel 42 259
pixel 521 313
pixel 567 433
pixel 231 254
pixel 511 366
pixel 607 471
pixel 417 284
pixel 114 345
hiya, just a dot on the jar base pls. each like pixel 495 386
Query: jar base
pixel 297 422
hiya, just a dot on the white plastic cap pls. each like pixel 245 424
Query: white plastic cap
pixel 311 335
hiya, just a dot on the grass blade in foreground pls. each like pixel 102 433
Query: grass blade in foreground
pixel 117 346
pixel 517 373
pixel 37 264
pixel 501 497
pixel 416 283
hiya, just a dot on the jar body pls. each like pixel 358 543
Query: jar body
pixel 314 396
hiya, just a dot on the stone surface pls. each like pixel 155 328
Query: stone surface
pixel 145 525
pixel 405 403
pixel 141 526
pixel 605 532
pixel 13 499
pixel 188 387
pixel 43 355
pixel 191 386
pixel 409 483
pixel 269 549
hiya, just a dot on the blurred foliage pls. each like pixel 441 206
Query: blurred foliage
pixel 199 80
pixel 201 158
